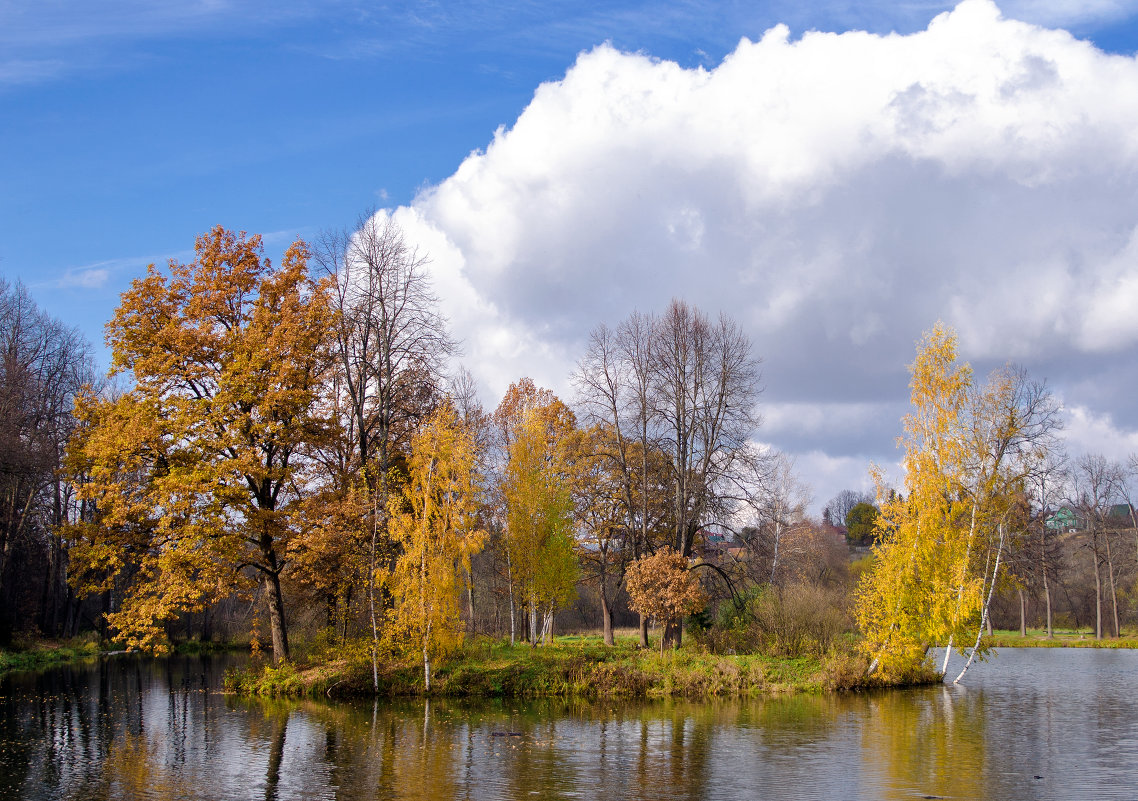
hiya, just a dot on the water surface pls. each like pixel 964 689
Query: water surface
pixel 1032 723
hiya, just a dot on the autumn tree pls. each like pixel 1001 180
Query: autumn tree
pixel 661 586
pixel 861 523
pixel 539 524
pixel 597 492
pixel 434 524
pixel 535 429
pixel 968 453
pixel 197 470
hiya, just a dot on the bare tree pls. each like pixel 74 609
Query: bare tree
pixel 1049 482
pixel 43 364
pixel 685 389
pixel 705 386
pixel 614 391
pixel 837 509
pixel 1095 488
pixel 392 346
pixel 783 505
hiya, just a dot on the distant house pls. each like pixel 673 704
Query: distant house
pixel 1064 519
pixel 1070 520
pixel 710 543
pixel 1121 514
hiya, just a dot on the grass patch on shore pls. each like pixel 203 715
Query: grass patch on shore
pixel 1065 638
pixel 573 667
pixel 37 654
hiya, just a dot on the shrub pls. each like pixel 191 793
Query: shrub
pixel 790 621
pixel 800 619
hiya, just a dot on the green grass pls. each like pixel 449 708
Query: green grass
pixel 573 667
pixel 1063 638
pixel 45 653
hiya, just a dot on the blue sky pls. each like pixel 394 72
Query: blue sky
pixel 128 128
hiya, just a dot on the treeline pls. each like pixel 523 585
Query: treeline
pixel 1074 560
pixel 43 365
pixel 296 442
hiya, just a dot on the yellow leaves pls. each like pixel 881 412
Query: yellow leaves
pixel 433 519
pixel 539 508
pixel 195 470
pixel 966 448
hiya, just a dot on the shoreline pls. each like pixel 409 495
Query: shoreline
pixel 573 671
pixel 1036 638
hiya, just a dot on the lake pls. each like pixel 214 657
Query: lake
pixel 1030 723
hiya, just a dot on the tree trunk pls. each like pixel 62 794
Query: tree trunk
pixel 606 616
pixel 985 619
pixel 643 631
pixel 272 586
pixel 1046 585
pixel 510 585
pixel 1098 598
pixel 774 560
pixel 1110 575
pixel 1022 614
pixel 470 599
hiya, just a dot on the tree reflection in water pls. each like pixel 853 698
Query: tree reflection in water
pixel 156 730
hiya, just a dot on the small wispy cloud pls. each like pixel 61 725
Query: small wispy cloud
pixel 105 274
pixel 84 278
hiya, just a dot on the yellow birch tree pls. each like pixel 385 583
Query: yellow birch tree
pixel 539 522
pixel 940 545
pixel 433 521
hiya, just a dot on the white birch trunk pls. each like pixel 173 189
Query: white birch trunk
pixel 987 605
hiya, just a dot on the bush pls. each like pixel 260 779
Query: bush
pixel 790 621
pixel 800 619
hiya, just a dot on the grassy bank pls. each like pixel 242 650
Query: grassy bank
pixel 37 654
pixel 1067 638
pixel 572 667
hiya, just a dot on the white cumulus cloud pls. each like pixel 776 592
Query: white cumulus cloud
pixel 835 193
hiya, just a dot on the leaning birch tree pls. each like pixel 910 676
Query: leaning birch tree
pixel 969 454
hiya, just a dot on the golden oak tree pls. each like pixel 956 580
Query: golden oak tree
pixel 197 470
pixel 434 522
pixel 597 494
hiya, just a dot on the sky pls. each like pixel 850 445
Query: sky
pixel 835 176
